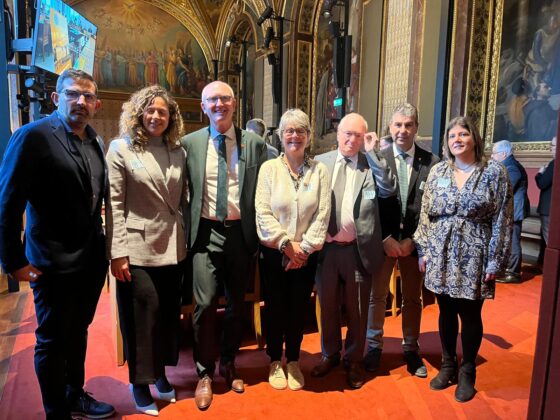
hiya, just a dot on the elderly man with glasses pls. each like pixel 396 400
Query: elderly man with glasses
pixel 54 170
pixel 364 210
pixel 223 162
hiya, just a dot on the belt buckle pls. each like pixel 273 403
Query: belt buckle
pixel 228 223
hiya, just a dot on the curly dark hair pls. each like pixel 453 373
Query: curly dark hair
pixel 131 125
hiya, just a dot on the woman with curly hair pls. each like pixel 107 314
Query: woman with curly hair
pixel 146 238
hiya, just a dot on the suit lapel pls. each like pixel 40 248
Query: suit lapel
pixel 361 172
pixel 152 168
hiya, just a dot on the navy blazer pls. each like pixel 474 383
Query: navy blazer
pixel 43 174
pixel 519 184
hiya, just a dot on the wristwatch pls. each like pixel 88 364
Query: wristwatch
pixel 284 245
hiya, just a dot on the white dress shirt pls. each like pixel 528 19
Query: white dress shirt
pixel 211 181
pixel 347 232
pixel 409 159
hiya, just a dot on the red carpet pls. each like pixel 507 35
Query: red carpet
pixel 503 375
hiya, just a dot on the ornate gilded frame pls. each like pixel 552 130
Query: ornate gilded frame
pixel 485 51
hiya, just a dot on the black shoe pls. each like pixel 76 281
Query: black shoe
pixel 509 278
pixel 465 386
pixel 372 360
pixel 447 375
pixel 86 406
pixel 415 365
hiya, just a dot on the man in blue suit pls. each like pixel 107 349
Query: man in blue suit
pixel 54 170
pixel 502 152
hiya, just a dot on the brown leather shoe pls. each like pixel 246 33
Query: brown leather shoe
pixel 355 376
pixel 325 366
pixel 228 371
pixel 203 393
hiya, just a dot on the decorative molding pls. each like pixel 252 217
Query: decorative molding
pixel 304 75
pixel 305 16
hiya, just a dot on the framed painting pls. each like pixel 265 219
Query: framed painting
pixel 139 44
pixel 524 83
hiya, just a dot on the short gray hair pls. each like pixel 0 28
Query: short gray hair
pixel 257 126
pixel 406 110
pixel 503 146
pixel 295 117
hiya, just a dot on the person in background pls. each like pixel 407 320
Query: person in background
pixel 291 236
pixel 412 165
pixel 364 210
pixel 258 126
pixel 54 169
pixel 502 152
pixel 463 241
pixel 146 238
pixel 223 163
pixel 544 181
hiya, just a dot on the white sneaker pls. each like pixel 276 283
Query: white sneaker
pixel 295 377
pixel 276 376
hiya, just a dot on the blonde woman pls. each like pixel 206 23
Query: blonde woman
pixel 146 238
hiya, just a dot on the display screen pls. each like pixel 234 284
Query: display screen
pixel 63 38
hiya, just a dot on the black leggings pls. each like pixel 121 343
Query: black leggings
pixel 470 312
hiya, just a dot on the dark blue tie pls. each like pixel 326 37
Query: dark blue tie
pixel 222 195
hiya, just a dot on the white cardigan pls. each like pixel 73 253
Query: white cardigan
pixel 284 213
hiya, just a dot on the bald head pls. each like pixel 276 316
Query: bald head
pixel 218 103
pixel 350 134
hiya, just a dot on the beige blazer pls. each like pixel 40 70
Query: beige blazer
pixel 145 209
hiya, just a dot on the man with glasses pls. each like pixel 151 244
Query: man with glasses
pixel 412 165
pixel 54 170
pixel 502 152
pixel 363 210
pixel 223 162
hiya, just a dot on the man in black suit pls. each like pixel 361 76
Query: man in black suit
pixel 544 181
pixel 502 152
pixel 54 170
pixel 363 210
pixel 223 163
pixel 411 164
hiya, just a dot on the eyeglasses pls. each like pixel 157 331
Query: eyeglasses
pixel 350 134
pixel 298 131
pixel 225 99
pixel 75 95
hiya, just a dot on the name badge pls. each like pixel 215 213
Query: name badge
pixel 307 187
pixel 369 194
pixel 136 164
pixel 443 182
pixel 422 185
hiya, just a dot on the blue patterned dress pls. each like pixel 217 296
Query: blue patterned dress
pixel 465 233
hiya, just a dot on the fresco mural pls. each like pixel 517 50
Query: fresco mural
pixel 214 9
pixel 528 95
pixel 139 44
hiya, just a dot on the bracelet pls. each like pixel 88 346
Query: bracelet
pixel 284 245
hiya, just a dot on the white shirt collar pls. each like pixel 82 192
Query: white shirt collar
pixel 410 152
pixel 230 133
pixel 353 159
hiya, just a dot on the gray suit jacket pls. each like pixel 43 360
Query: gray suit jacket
pixel 372 176
pixel 253 155
pixel 144 210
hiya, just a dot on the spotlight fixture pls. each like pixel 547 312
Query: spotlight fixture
pixel 268 37
pixel 271 58
pixel 34 85
pixel 334 29
pixel 231 40
pixel 266 14
pixel 327 8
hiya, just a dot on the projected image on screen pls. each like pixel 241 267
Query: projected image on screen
pixel 63 38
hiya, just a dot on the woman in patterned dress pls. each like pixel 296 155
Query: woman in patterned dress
pixel 463 241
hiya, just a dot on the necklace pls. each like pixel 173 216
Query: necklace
pixel 465 169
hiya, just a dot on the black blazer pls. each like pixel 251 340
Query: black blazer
pixel 43 174
pixel 544 182
pixel 421 165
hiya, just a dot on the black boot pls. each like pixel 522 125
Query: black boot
pixel 465 388
pixel 447 375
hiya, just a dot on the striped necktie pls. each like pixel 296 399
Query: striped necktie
pixel 402 174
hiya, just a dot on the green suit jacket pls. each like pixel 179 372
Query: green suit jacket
pixel 253 154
